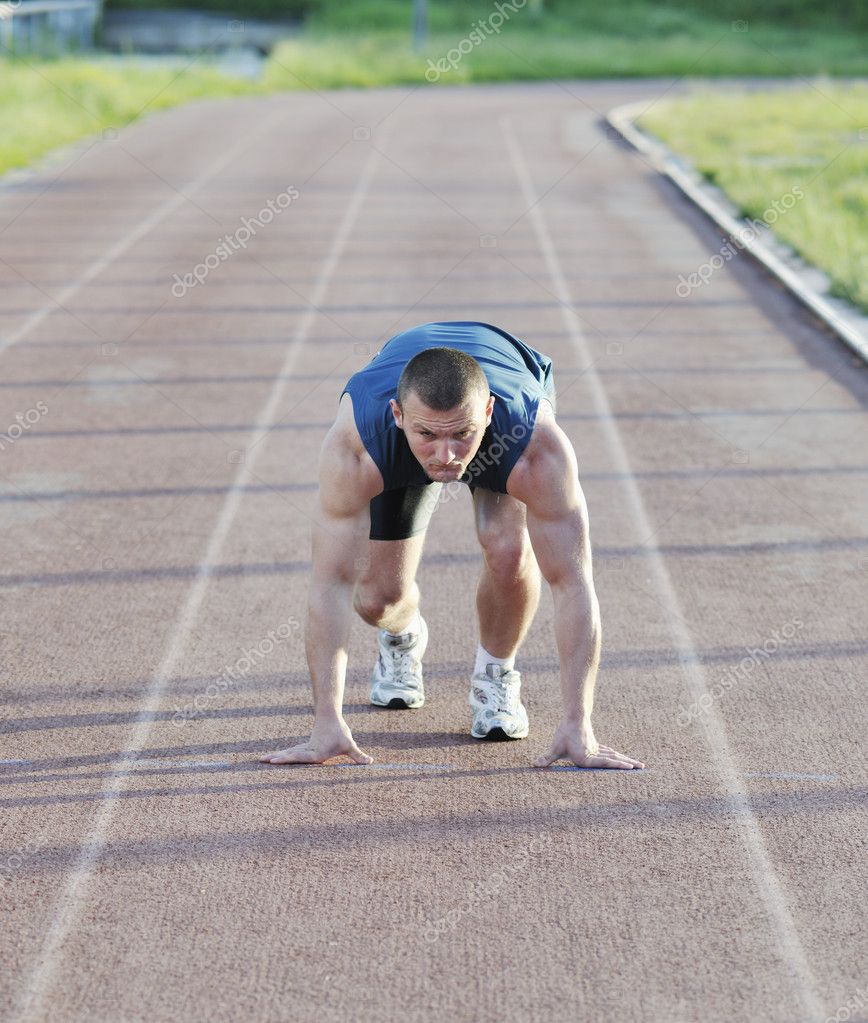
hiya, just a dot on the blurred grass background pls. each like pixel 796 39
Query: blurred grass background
pixel 367 42
pixel 46 104
pixel 758 146
pixel 755 147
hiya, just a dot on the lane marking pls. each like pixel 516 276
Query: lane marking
pixel 157 764
pixel 73 897
pixel 790 950
pixel 395 767
pixel 791 777
pixel 137 233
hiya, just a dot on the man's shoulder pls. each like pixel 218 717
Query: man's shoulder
pixel 345 463
pixel 547 457
pixel 344 433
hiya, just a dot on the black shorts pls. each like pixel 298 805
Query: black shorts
pixel 404 512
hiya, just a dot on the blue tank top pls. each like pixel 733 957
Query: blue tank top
pixel 518 377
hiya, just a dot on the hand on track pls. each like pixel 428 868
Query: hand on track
pixel 571 742
pixel 326 741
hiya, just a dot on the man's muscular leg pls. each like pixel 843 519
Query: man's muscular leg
pixel 387 595
pixel 508 592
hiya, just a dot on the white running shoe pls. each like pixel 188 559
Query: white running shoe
pixel 495 700
pixel 396 681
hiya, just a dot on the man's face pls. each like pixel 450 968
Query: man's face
pixel 444 443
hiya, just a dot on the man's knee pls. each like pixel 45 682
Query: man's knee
pixel 374 601
pixel 507 553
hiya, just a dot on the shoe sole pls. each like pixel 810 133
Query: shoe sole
pixel 498 735
pixel 396 703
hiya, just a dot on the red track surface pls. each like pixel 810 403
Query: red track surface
pixel 155 526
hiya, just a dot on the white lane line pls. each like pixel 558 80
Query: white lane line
pixel 156 765
pixel 398 767
pixel 790 949
pixel 72 899
pixel 792 777
pixel 137 233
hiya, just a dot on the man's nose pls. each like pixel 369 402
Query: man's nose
pixel 445 452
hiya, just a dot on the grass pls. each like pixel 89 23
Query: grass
pixel 757 147
pixel 46 104
pixel 367 43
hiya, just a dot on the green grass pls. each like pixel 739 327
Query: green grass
pixel 46 104
pixel 630 16
pixel 367 42
pixel 758 146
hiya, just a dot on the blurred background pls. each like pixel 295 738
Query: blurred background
pixel 768 94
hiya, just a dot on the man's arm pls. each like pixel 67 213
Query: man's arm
pixel 341 524
pixel 557 522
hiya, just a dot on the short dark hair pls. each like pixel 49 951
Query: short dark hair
pixel 442 378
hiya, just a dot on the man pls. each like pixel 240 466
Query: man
pixel 445 404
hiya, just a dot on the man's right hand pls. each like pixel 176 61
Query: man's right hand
pixel 328 739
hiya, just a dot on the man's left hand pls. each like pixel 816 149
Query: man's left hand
pixel 577 743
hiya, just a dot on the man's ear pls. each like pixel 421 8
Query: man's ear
pixel 396 412
pixel 489 409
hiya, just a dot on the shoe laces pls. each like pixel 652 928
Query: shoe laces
pixel 405 663
pixel 506 693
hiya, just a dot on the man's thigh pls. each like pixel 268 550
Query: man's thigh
pixel 399 521
pixel 391 566
pixel 498 515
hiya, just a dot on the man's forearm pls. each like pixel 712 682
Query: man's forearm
pixel 327 635
pixel 578 635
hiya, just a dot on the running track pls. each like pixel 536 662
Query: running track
pixel 155 522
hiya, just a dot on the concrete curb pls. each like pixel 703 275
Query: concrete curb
pixel 806 283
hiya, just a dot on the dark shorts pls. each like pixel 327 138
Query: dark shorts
pixel 399 514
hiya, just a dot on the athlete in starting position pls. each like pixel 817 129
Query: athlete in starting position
pixel 447 404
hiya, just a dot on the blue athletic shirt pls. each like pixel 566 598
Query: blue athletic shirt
pixel 518 377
